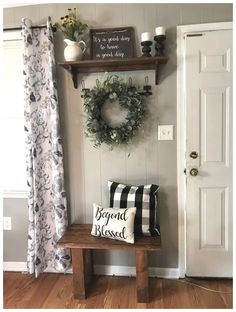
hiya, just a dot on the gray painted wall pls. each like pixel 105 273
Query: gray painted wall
pixel 87 169
pixel 15 241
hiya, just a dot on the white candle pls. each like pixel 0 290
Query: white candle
pixel 160 31
pixel 146 36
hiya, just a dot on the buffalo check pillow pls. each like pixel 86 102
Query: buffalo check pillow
pixel 144 198
pixel 114 223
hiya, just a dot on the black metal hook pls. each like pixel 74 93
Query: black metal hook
pixel 147 88
pixel 130 85
pixel 84 91
pixel 97 82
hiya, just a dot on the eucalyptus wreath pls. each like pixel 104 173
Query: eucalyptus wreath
pixel 113 89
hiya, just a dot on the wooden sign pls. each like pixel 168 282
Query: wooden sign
pixel 112 43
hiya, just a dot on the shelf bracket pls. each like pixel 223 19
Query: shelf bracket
pixel 156 72
pixel 74 76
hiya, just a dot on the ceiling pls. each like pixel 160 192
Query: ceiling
pixel 11 4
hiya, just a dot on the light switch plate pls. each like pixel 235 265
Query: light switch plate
pixel 165 132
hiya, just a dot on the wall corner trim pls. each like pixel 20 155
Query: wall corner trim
pixel 116 270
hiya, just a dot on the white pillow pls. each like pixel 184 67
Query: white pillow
pixel 114 223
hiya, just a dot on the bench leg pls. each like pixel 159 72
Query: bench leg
pixel 142 275
pixel 82 266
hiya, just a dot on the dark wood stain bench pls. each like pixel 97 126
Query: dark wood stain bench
pixel 78 238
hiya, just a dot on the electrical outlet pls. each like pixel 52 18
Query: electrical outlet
pixel 165 132
pixel 7 223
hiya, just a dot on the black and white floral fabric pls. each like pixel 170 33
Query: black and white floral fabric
pixel 45 174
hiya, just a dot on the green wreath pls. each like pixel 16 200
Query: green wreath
pixel 113 89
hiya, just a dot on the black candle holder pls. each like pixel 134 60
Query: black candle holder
pixel 146 48
pixel 160 45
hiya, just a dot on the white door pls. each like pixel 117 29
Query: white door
pixel 208 68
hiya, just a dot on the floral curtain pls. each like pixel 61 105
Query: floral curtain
pixel 45 175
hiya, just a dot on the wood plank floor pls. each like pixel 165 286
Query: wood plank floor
pixel 55 291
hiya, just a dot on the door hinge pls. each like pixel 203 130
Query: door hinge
pixel 184 170
pixel 195 35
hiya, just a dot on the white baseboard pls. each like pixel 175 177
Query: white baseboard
pixel 117 270
pixel 164 272
pixel 131 271
pixel 15 266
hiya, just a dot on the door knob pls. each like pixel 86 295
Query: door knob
pixel 194 155
pixel 194 172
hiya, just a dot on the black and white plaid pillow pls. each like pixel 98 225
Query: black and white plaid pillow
pixel 144 198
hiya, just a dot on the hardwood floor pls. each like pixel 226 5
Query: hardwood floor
pixel 55 291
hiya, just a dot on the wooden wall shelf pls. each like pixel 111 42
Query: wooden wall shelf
pixel 96 66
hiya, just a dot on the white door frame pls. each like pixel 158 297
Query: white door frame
pixel 181 130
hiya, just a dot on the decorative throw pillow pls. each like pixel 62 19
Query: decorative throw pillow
pixel 144 198
pixel 114 223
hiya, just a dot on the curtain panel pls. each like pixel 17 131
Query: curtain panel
pixel 44 156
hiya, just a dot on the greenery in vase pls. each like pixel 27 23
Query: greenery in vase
pixel 71 26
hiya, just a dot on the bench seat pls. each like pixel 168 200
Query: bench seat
pixel 79 239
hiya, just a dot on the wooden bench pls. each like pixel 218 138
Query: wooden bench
pixel 78 238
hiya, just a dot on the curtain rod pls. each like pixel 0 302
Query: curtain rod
pixel 20 28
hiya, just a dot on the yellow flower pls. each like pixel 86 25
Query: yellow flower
pixel 71 26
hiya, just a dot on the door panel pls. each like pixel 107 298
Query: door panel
pixel 213 202
pixel 215 62
pixel 209 133
pixel 214 110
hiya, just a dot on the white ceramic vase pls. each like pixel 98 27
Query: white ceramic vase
pixel 74 50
